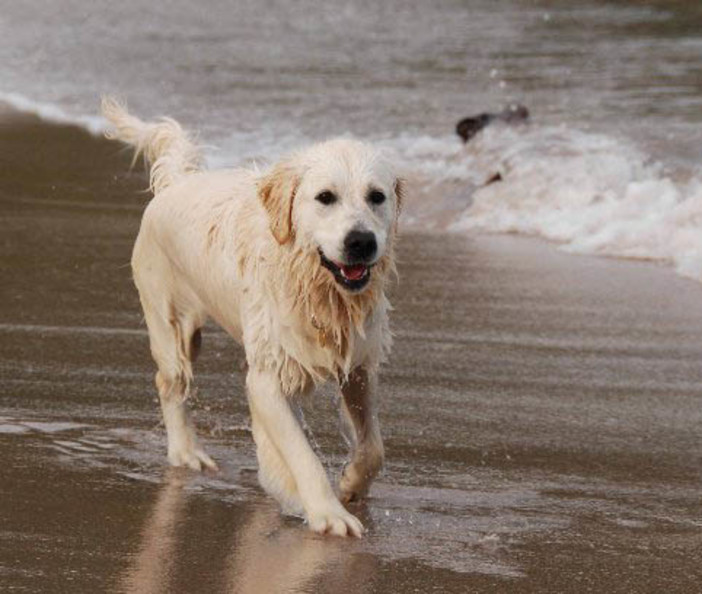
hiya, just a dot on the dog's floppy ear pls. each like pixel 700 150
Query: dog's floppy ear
pixel 399 193
pixel 277 193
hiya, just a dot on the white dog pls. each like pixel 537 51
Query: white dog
pixel 293 263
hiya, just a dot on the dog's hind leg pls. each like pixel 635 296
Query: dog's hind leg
pixel 175 341
pixel 360 419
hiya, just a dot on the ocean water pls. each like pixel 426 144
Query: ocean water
pixel 610 163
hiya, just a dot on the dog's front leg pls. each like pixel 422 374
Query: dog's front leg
pixel 360 418
pixel 279 436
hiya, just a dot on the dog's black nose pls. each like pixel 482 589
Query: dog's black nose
pixel 360 246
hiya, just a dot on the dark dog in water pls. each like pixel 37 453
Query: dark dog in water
pixel 469 127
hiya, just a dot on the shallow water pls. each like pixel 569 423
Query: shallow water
pixel 540 410
pixel 368 68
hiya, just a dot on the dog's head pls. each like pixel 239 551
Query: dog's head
pixel 339 199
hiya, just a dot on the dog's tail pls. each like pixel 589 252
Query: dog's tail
pixel 164 144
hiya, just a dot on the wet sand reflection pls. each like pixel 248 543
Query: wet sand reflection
pixel 269 553
pixel 154 562
pixel 272 557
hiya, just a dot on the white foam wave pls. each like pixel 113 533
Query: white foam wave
pixel 265 145
pixel 431 160
pixel 590 192
pixel 51 112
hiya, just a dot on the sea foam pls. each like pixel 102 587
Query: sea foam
pixel 51 112
pixel 589 192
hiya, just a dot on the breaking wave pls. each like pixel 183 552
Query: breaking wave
pixel 589 192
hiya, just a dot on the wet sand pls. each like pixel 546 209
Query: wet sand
pixel 541 413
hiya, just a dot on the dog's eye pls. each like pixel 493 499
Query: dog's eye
pixel 376 197
pixel 326 197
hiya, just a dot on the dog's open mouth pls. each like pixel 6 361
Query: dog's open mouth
pixel 350 276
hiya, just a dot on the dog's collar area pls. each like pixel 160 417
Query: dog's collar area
pixel 352 277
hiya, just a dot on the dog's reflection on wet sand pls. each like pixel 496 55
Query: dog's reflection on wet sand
pixel 154 562
pixel 268 553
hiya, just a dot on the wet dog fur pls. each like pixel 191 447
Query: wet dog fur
pixel 293 262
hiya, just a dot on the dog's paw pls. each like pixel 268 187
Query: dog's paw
pixel 357 477
pixel 353 484
pixel 195 458
pixel 351 495
pixel 335 520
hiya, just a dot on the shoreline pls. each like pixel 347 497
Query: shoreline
pixel 449 219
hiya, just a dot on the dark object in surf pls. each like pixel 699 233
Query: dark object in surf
pixel 469 127
pixel 495 177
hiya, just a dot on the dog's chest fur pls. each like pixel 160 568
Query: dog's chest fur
pixel 304 350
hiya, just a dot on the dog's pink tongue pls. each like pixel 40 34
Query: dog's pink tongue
pixel 354 272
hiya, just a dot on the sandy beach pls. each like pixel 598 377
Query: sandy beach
pixel 541 413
